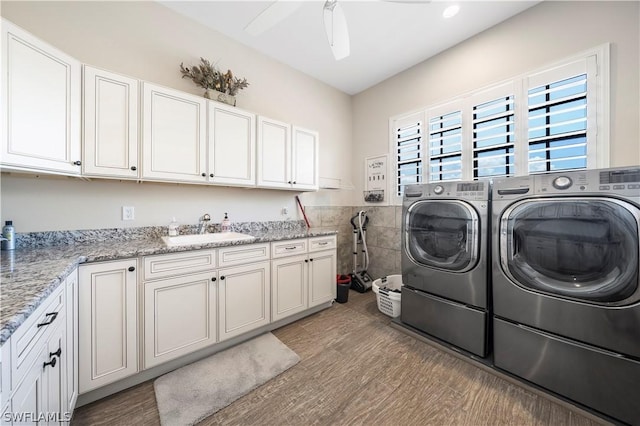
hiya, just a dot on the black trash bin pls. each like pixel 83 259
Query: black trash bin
pixel 343 283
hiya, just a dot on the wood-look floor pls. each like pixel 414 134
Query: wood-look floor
pixel 356 369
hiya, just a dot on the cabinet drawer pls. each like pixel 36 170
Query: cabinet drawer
pixel 322 243
pixel 237 255
pixel 169 265
pixel 288 248
pixel 36 328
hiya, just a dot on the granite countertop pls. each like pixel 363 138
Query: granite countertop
pixel 29 275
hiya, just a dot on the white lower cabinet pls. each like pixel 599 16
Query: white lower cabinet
pixel 54 368
pixel 289 286
pixel 302 281
pixel 39 367
pixel 244 298
pixel 40 396
pixel 86 335
pixel 179 316
pixel 107 323
pixel 28 396
pixel 322 277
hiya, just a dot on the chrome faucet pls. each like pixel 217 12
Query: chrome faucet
pixel 204 221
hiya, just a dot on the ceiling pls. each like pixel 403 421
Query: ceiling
pixel 387 37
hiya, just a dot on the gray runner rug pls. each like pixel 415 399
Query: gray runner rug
pixel 191 393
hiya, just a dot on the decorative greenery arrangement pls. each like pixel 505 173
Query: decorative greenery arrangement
pixel 209 77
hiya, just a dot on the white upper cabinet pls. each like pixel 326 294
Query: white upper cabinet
pixel 110 124
pixel 273 153
pixel 174 130
pixel 287 156
pixel 40 105
pixel 232 145
pixel 305 159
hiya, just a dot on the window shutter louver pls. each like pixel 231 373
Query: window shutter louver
pixel 445 147
pixel 493 138
pixel 557 117
pixel 408 155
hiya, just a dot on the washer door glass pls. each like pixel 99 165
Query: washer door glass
pixel 584 249
pixel 442 234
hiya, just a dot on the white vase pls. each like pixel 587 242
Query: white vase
pixel 220 97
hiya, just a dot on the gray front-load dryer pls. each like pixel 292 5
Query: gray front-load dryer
pixel 566 289
pixel 445 262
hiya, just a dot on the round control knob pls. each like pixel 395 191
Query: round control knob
pixel 562 182
pixel 439 189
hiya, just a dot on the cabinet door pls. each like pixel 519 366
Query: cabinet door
pixel 107 323
pixel 174 143
pixel 322 277
pixel 71 355
pixel 273 154
pixel 289 286
pixel 305 159
pixel 232 145
pixel 55 393
pixel 28 397
pixel 110 124
pixel 40 104
pixel 179 316
pixel 244 293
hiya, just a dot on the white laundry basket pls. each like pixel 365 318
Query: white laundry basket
pixel 388 301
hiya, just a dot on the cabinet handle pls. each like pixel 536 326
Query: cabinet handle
pixel 204 175
pixel 306 260
pixel 52 363
pixel 323 243
pixel 289 182
pixel 134 168
pixel 294 182
pixel 222 277
pixel 290 248
pixel 213 279
pixel 211 175
pixel 52 317
pixel 77 163
pixel 131 269
pixel 56 353
pixel 310 260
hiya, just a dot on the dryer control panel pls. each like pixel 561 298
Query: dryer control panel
pixel 624 181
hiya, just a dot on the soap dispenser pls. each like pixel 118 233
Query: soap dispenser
pixel 226 224
pixel 173 228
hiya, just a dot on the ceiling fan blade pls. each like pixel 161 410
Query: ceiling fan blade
pixel 335 25
pixel 269 17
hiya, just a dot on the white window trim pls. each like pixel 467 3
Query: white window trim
pixel 602 132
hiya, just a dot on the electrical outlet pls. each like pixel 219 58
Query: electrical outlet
pixel 128 213
pixel 285 211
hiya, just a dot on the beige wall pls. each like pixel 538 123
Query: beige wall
pixel 148 41
pixel 546 33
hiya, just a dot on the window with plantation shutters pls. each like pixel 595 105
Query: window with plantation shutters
pixel 493 137
pixel 558 106
pixel 445 146
pixel 408 152
pixel 553 119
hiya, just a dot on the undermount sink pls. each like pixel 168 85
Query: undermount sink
pixel 218 237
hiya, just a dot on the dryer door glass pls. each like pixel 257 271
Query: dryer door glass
pixel 442 234
pixel 584 249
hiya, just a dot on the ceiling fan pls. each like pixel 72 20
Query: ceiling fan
pixel 335 23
